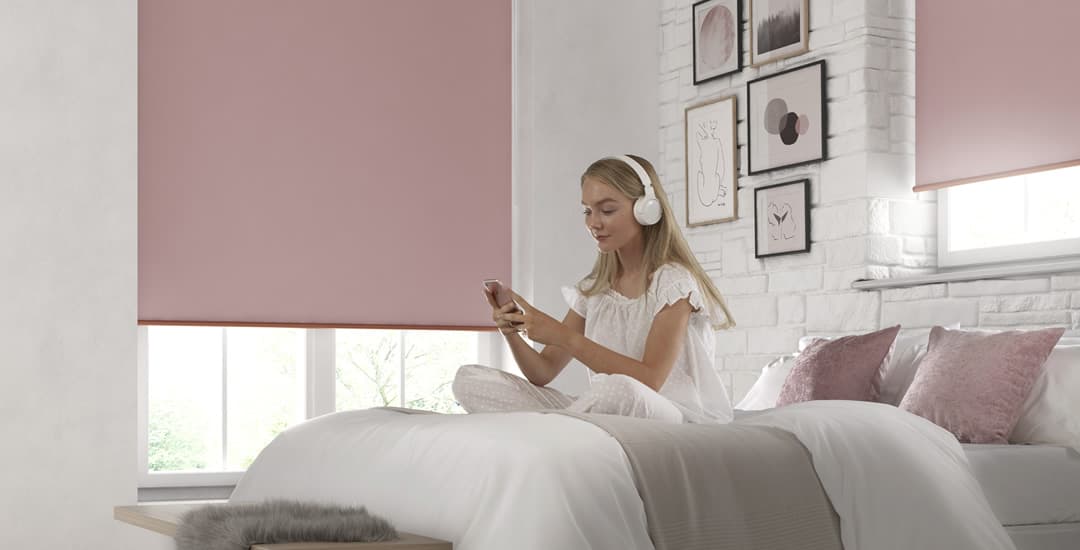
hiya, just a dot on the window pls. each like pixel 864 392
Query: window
pixel 403 368
pixel 1032 216
pixel 212 397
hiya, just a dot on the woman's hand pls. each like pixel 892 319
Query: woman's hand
pixel 537 325
pixel 498 314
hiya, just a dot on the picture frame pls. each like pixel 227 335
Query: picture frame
pixel 717 38
pixel 778 29
pixel 782 219
pixel 712 170
pixel 786 118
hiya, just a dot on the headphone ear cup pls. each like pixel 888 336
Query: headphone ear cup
pixel 647 210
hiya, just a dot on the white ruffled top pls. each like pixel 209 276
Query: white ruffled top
pixel 622 324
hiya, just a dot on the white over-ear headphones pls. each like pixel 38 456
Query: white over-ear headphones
pixel 647 210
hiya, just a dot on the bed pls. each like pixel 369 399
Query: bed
pixel 1033 484
pixel 537 480
pixel 1034 491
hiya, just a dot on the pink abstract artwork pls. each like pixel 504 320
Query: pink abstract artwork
pixel 717 43
pixel 716 38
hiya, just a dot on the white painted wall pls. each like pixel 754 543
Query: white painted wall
pixel 585 87
pixel 68 270
pixel 68 230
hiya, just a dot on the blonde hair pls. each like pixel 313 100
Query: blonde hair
pixel 664 243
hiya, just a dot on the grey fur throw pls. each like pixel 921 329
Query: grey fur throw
pixel 238 526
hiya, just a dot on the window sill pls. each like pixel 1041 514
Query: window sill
pixel 166 494
pixel 159 487
pixel 972 274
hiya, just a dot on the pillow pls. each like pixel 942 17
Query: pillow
pixel 898 368
pixel 848 367
pixel 974 385
pixel 766 389
pixel 1051 413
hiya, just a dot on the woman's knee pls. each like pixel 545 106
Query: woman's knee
pixel 472 379
pixel 472 371
pixel 468 373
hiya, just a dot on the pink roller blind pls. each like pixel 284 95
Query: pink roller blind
pixel 323 162
pixel 996 88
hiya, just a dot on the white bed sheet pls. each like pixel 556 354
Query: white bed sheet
pixel 1029 484
pixel 482 481
pixel 541 481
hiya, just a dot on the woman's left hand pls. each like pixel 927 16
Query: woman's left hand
pixel 537 325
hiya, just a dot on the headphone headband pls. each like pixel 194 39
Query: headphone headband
pixel 642 174
pixel 647 210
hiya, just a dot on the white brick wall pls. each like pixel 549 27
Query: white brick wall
pixel 847 312
pixel 866 221
pixel 1065 282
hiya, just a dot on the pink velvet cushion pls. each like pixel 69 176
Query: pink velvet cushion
pixel 843 368
pixel 974 384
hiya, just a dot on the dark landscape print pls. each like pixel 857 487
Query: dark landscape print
pixel 778 30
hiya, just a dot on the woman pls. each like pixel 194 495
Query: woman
pixel 642 321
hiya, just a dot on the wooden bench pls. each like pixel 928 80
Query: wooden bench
pixel 164 519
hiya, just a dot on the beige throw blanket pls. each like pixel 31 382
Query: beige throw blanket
pixel 721 486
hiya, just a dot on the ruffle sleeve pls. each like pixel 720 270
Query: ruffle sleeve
pixel 576 300
pixel 673 283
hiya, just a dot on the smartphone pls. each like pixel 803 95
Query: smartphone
pixel 501 293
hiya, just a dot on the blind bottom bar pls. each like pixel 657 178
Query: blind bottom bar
pixel 1020 172
pixel 151 322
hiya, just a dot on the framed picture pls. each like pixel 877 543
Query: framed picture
pixel 785 118
pixel 778 29
pixel 782 219
pixel 717 40
pixel 712 172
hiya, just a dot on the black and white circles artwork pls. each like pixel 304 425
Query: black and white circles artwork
pixel 711 170
pixel 782 219
pixel 786 118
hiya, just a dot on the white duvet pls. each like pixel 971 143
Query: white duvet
pixel 542 481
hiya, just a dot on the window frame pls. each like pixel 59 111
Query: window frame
pixel 319 398
pixel 949 260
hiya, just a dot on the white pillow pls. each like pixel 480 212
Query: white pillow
pixel 901 367
pixel 1051 413
pixel 765 391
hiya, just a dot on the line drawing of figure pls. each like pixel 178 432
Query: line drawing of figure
pixel 782 224
pixel 710 167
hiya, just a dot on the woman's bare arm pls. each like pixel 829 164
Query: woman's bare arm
pixel 662 348
pixel 542 367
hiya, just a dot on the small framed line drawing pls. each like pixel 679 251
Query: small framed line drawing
pixel 778 29
pixel 717 38
pixel 782 219
pixel 712 171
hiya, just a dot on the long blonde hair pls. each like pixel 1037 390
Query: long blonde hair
pixel 664 243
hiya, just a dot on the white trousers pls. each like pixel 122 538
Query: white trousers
pixel 484 389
